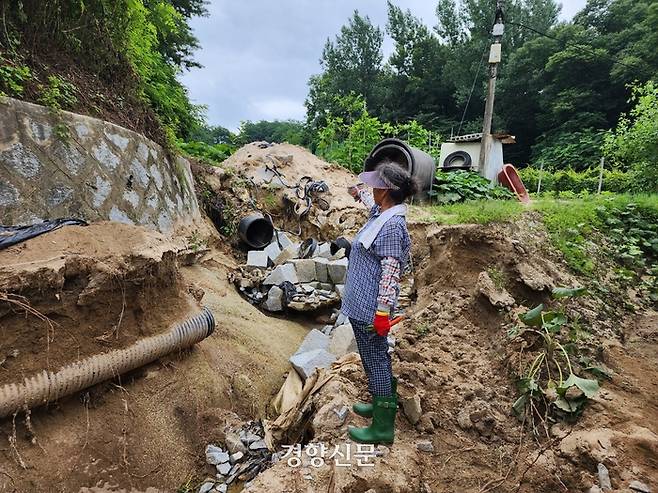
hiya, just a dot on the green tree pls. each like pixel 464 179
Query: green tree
pixel 634 143
pixel 278 131
pixel 212 135
pixel 418 86
pixel 352 63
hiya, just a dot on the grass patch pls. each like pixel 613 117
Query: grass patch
pixel 477 212
pixel 570 223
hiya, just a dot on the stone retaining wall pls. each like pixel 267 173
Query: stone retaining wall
pixel 68 165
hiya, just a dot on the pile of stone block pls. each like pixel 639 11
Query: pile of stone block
pixel 277 278
pixel 321 347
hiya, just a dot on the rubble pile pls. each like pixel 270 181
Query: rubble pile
pixel 297 276
pixel 321 347
pixel 244 455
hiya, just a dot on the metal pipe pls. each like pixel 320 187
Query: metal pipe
pixel 49 386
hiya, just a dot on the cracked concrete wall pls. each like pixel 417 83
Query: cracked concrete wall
pixel 70 165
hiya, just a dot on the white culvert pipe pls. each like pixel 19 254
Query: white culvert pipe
pixel 49 386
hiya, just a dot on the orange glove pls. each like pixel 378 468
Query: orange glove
pixel 382 323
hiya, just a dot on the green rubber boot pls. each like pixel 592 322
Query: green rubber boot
pixel 365 408
pixel 382 428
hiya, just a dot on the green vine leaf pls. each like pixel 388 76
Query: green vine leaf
pixel 589 386
pixel 568 292
pixel 533 317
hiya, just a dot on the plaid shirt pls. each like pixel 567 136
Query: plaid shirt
pixel 364 273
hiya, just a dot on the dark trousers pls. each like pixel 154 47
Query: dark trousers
pixel 376 361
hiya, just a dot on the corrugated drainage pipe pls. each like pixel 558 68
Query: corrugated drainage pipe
pixel 49 386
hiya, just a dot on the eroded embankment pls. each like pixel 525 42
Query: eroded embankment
pixel 104 287
pixel 457 369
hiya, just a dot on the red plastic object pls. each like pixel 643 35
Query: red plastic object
pixel 509 178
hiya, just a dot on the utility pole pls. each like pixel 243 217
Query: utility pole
pixel 494 60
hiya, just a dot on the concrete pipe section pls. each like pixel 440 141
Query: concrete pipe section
pixel 49 386
pixel 420 164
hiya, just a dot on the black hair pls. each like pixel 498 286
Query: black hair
pixel 402 184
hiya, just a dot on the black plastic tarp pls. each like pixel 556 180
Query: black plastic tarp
pixel 10 235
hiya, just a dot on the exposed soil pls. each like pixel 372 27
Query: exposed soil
pixel 149 428
pixel 98 287
pixel 244 185
pixel 453 353
pixel 107 285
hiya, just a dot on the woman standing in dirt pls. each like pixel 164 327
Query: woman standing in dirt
pixel 380 252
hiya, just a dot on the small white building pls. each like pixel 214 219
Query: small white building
pixel 463 152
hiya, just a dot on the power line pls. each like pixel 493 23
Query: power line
pixel 477 74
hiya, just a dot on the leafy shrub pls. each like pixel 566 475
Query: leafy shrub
pixel 568 180
pixel 349 141
pixel 58 93
pixel 547 383
pixel 460 185
pixel 13 78
pixel 628 223
pixel 634 143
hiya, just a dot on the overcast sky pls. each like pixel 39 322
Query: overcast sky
pixel 257 55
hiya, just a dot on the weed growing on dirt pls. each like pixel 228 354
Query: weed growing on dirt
pixel 546 380
pixel 270 200
pixel 477 211
pixel 423 329
pixel 13 78
pixel 196 242
pixel 209 154
pixel 497 276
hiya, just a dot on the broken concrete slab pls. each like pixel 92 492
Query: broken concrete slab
pixel 236 457
pixel 233 443
pixel 280 274
pixel 314 340
pixel 340 289
pixel 342 341
pixel 287 254
pixel 215 455
pixel 223 468
pixel 273 250
pixel 339 254
pixel 338 270
pixel 323 250
pixel 306 363
pixel 258 445
pixel 283 239
pixel 274 301
pixel 321 269
pixel 305 269
pixel 341 319
pixel 257 258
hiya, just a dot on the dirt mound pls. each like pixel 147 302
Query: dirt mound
pixel 277 179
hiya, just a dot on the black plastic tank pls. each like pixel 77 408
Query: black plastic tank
pixel 420 164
